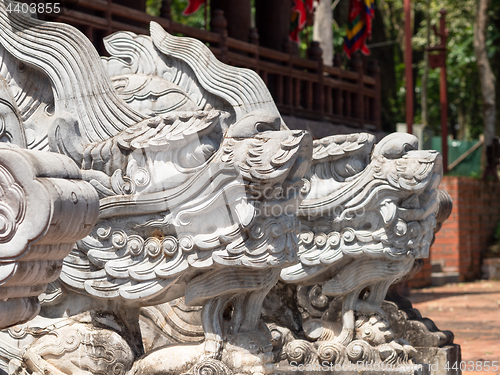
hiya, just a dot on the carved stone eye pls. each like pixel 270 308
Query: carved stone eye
pixel 401 228
pixel 127 188
pixel 119 239
pixel 135 244
pixel 153 247
pixel 169 246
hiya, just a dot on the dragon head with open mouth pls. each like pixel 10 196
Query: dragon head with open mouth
pixel 366 201
pixel 369 212
pixel 199 181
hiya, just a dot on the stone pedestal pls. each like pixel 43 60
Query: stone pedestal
pixel 328 370
pixel 440 360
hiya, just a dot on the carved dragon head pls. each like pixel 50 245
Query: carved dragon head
pixel 184 193
pixel 181 192
pixel 366 200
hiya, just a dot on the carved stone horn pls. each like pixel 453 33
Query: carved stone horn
pixel 79 83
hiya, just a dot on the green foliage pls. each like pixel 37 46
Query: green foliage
pixel 339 33
pixel 153 7
pixel 177 6
pixel 464 91
pixel 497 232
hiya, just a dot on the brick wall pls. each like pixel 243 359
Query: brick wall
pixel 468 230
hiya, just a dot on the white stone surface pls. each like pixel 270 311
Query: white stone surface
pixel 200 186
pixel 189 157
pixel 369 212
pixel 45 208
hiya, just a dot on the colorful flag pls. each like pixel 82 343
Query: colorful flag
pixel 359 26
pixel 299 18
pixel 309 5
pixel 193 6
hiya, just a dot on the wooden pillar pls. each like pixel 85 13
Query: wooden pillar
pixel 374 71
pixel 238 14
pixel 134 4
pixel 272 19
pixel 316 53
pixel 338 107
pixel 408 67
pixel 218 24
pixel 439 61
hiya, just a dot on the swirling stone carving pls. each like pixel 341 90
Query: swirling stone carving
pixel 45 208
pixel 198 180
pixel 369 211
pixel 386 222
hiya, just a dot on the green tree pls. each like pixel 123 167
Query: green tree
pixel 464 91
pixel 177 6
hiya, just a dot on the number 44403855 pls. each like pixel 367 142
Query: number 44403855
pixel 472 366
pixel 40 8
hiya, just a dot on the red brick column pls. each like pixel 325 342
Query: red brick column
pixel 467 232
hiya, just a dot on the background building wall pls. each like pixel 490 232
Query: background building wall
pixel 468 231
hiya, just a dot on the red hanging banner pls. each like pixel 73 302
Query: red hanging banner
pixel 192 7
pixel 299 18
pixel 359 26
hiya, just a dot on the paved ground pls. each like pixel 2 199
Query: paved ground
pixel 472 312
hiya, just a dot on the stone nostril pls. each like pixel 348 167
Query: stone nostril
pixel 255 122
pixel 396 145
pixel 264 126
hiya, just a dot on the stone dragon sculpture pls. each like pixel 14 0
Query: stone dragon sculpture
pixel 206 200
pixel 182 204
pixel 369 213
pixel 368 216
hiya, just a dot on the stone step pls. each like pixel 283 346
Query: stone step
pixel 442 278
pixel 437 266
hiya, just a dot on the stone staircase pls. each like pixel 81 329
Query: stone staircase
pixel 443 275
